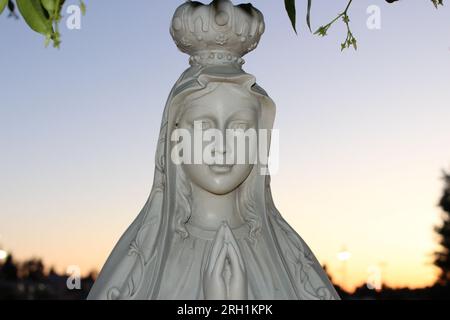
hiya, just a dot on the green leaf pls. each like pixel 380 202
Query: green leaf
pixel 322 31
pixel 3 4
pixel 354 44
pixel 308 15
pixel 290 8
pixel 437 3
pixel 82 7
pixel 34 15
pixel 49 5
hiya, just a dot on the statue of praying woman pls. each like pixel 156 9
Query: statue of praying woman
pixel 210 229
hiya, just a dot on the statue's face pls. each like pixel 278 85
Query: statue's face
pixel 224 163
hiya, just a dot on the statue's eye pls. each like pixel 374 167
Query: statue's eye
pixel 239 125
pixel 202 124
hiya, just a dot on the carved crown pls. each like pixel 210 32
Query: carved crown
pixel 217 33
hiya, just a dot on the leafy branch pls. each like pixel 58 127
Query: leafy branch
pixel 42 16
pixel 350 40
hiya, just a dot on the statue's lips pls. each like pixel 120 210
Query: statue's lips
pixel 221 168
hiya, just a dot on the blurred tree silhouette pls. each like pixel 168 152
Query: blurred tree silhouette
pixel 32 269
pixel 442 257
pixel 29 281
pixel 8 271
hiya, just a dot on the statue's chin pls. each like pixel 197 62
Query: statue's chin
pixel 219 188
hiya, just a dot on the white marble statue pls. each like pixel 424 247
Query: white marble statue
pixel 210 230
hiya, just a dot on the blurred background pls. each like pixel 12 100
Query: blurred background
pixel 364 149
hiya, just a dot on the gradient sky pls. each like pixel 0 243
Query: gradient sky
pixel 364 135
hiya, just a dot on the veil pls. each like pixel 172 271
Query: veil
pixel 133 269
pixel 216 36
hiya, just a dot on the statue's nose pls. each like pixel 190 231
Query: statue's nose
pixel 223 148
pixel 220 146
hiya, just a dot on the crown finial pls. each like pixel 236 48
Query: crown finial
pixel 217 33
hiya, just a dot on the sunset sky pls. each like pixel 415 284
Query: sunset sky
pixel 364 135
